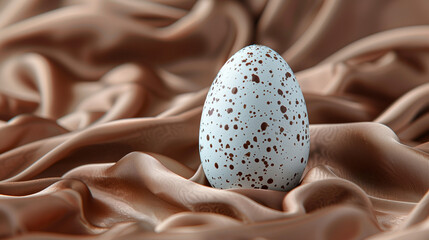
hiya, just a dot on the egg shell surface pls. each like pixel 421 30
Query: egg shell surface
pixel 254 129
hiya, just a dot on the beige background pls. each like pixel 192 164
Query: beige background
pixel 100 103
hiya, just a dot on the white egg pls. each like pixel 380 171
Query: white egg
pixel 254 130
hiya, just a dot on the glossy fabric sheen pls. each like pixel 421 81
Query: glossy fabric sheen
pixel 100 103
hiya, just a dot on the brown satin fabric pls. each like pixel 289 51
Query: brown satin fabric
pixel 100 103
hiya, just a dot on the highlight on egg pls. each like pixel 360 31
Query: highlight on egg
pixel 254 129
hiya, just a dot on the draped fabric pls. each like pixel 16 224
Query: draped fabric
pixel 100 104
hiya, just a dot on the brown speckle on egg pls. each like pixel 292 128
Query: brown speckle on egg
pixel 255 78
pixel 264 126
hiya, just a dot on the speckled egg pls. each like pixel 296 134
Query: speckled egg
pixel 254 130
